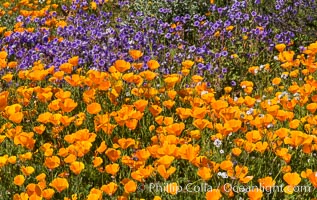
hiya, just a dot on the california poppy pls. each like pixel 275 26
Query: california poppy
pixel 93 108
pixel 153 64
pixel 112 169
pixel 122 65
pixel 19 180
pixel 113 154
pixel 255 194
pixel 165 173
pixel 214 194
pixel 135 54
pixel 172 188
pixel 130 187
pixel 110 188
pixel 204 173
pixel 59 184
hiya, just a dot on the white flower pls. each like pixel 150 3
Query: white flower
pixel 217 143
pixel 284 76
pixel 221 151
pixel 250 111
pixel 224 175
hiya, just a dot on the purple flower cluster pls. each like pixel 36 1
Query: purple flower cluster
pixel 100 38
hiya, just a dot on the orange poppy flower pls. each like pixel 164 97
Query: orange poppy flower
pixel 140 105
pixel 172 80
pixel 25 139
pixel 155 110
pixel 183 113
pixel 153 64
pixel 280 47
pixel 3 100
pixel 74 60
pixel 97 161
pixel 226 165
pixel 199 113
pixel 113 154
pixel 294 124
pixel 7 77
pixel 137 66
pixel 112 169
pixel 202 123
pixel 142 154
pixel 110 188
pixel 135 54
pixel 253 136
pixel 93 108
pixel 19 180
pixel 41 177
pixel 165 173
pixel 3 55
pixel 17 117
pixel 187 64
pixel 52 162
pixel 34 190
pixel 255 194
pixel 102 147
pixel 204 173
pixel 126 143
pixel 68 105
pixel 122 65
pixel 27 170
pixel 312 107
pixel 172 188
pixel 267 183
pixel 12 159
pixel 189 152
pixel 195 134
pixel 175 129
pixel 261 146
pixel 48 193
pixel 292 179
pixel 76 167
pixel 74 80
pixel 298 138
pixel 66 67
pixel 313 178
pixel 169 104
pixel 59 184
pixel 236 151
pixel 214 194
pixel 130 187
pixel 165 160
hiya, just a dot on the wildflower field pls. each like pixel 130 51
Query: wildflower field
pixel 169 99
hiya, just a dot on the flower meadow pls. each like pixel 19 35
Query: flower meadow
pixel 158 100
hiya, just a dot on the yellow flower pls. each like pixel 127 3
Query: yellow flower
pixel 19 180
